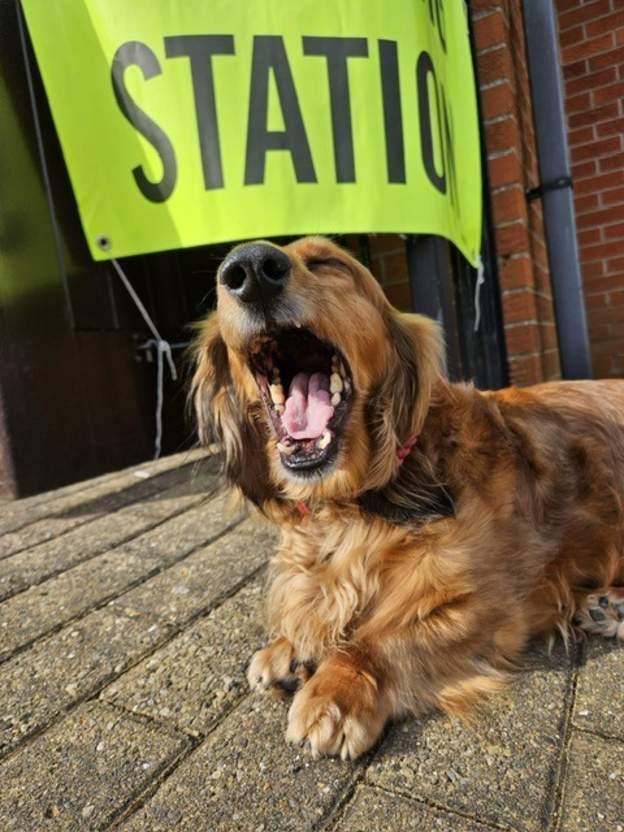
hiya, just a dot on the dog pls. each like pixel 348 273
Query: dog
pixel 429 530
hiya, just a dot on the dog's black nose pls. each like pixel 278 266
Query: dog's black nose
pixel 256 273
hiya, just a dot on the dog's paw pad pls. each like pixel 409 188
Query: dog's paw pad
pixel 603 614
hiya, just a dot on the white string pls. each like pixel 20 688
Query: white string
pixel 477 294
pixel 163 350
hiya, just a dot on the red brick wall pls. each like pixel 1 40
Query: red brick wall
pixel 592 53
pixel 512 163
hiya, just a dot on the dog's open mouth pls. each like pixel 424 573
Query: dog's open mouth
pixel 307 388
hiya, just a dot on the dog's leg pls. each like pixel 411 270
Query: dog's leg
pixel 277 668
pixel 342 709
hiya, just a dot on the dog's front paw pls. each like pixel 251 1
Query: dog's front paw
pixel 276 667
pixel 338 712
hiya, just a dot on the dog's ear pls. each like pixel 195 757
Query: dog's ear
pixel 225 416
pixel 398 407
pixel 396 412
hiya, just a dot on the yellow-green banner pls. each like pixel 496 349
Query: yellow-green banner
pixel 200 121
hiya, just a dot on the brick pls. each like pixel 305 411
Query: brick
pixel 526 370
pixel 551 365
pixel 611 214
pixel 612 196
pixel 511 239
pixel 583 204
pixel 614 56
pixel 588 48
pixel 374 809
pixel 490 30
pixel 594 115
pixel 549 335
pixel 571 35
pixel 591 235
pixel 613 232
pixel 608 128
pixel 593 300
pixel 591 81
pixel 583 14
pixel 597 252
pixel 200 675
pixel 504 170
pixel 225 785
pixel 582 170
pixel 516 273
pixel 599 148
pixel 495 65
pixel 613 162
pixel 498 100
pixel 593 797
pixel 84 770
pixel 509 205
pixel 599 183
pixel 581 136
pixel 615 264
pixel 604 283
pixel 578 103
pixel 593 270
pixel 31 614
pixel 519 306
pixel 575 70
pixel 606 94
pixel 523 338
pixel 565 5
pixel 605 24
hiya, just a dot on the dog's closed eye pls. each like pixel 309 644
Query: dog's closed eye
pixel 317 263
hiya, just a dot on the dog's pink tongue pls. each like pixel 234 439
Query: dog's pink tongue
pixel 307 410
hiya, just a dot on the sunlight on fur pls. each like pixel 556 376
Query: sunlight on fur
pixel 428 530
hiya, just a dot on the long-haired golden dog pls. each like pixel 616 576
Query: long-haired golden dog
pixel 428 530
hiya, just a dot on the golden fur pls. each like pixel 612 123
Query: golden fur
pixel 414 586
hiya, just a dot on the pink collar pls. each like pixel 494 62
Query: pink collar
pixel 405 451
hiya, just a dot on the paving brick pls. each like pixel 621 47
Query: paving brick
pixel 214 571
pixel 81 497
pixel 200 674
pixel 594 793
pixel 50 604
pixel 245 777
pixel 62 668
pixel 40 684
pixel 82 771
pixel 502 770
pixel 598 707
pixel 374 809
pixel 100 512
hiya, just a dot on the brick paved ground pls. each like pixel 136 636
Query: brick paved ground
pixel 130 607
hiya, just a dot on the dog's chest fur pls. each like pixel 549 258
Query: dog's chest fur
pixel 326 575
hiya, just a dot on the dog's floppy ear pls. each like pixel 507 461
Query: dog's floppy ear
pixel 397 409
pixel 225 416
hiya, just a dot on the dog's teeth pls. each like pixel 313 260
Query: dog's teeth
pixel 285 449
pixel 325 439
pixel 335 383
pixel 335 363
pixel 277 393
pixel 343 372
pixel 335 399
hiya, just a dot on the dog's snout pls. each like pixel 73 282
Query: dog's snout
pixel 256 273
